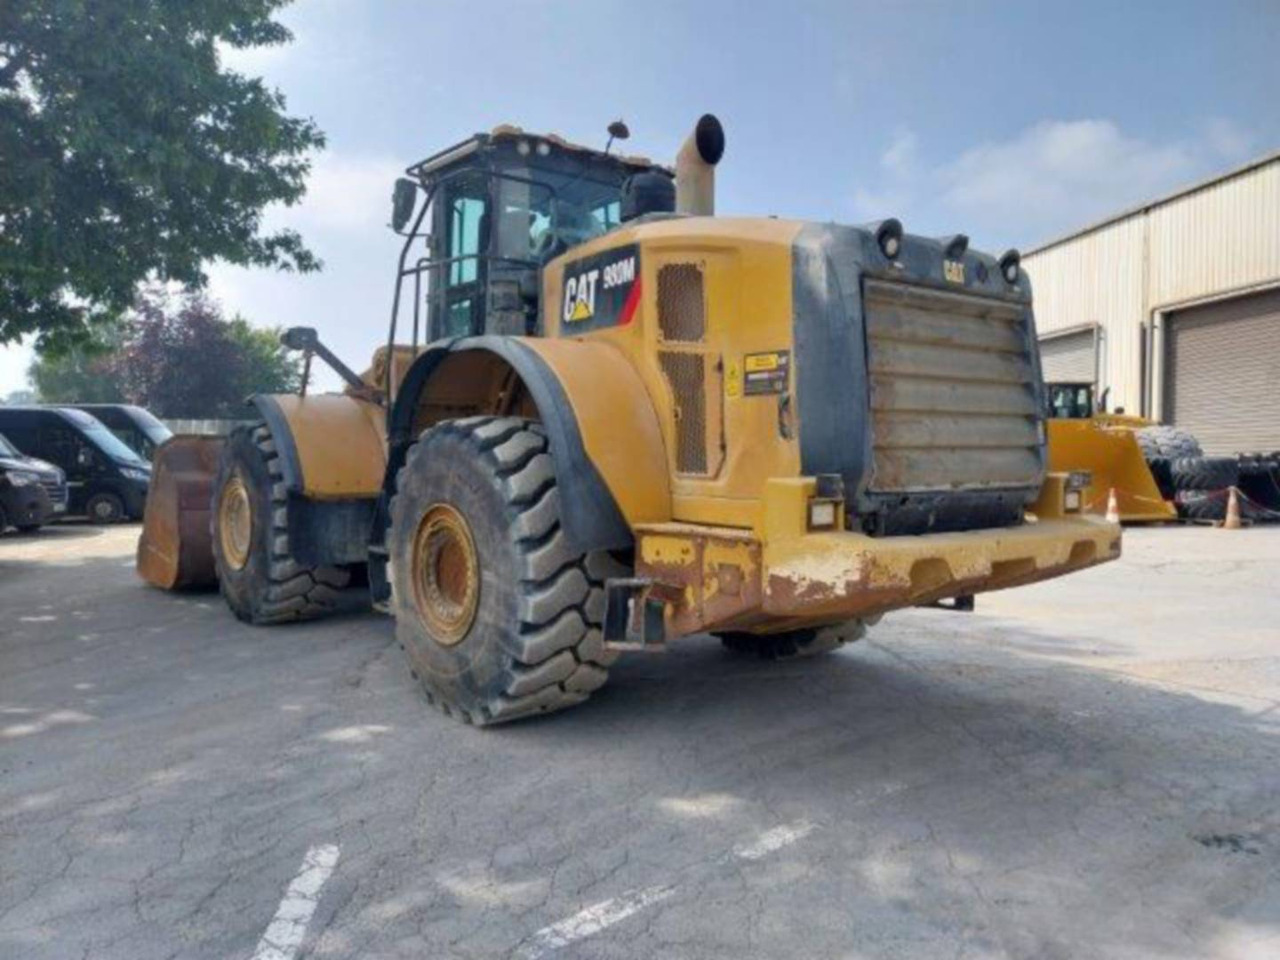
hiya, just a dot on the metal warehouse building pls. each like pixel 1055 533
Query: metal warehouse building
pixel 1175 308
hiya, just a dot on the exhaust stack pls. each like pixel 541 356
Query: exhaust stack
pixel 696 168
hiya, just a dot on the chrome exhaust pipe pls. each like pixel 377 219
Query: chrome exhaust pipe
pixel 696 168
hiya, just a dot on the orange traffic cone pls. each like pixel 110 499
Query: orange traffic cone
pixel 1113 507
pixel 1232 521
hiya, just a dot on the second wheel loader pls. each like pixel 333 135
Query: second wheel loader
pixel 606 419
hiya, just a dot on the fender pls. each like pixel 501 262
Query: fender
pixel 331 446
pixel 333 456
pixel 607 448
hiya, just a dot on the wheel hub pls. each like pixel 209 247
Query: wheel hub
pixel 446 574
pixel 235 522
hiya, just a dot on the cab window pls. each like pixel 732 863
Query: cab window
pixel 465 215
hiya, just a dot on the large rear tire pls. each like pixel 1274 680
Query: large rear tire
pixel 260 581
pixel 498 615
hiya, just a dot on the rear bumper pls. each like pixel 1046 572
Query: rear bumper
pixel 850 575
pixel 721 578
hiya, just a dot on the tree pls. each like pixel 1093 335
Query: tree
pixel 128 152
pixel 83 373
pixel 176 356
pixel 183 359
pixel 18 398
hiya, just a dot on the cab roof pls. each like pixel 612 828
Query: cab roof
pixel 507 133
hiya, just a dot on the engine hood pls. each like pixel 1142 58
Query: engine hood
pixel 30 464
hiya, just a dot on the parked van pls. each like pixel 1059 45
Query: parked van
pixel 106 480
pixel 32 492
pixel 137 427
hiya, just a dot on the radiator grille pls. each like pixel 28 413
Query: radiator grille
pixel 56 490
pixel 686 373
pixel 682 314
pixel 953 395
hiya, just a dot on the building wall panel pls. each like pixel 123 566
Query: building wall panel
pixel 1220 238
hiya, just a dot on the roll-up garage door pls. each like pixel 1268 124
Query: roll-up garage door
pixel 1223 373
pixel 1069 358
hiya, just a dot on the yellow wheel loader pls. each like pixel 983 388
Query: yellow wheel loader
pixel 1145 463
pixel 611 419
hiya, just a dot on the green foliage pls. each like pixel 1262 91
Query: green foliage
pixel 19 398
pixel 179 357
pixel 82 373
pixel 127 152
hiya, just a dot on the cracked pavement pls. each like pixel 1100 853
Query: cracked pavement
pixel 1084 768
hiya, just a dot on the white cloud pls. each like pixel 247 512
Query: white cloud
pixel 1052 174
pixel 901 157
pixel 1045 180
pixel 343 218
pixel 1227 139
pixel 348 193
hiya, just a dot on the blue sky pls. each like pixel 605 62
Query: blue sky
pixel 1010 122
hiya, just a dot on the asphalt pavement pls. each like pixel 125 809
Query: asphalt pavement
pixel 1085 768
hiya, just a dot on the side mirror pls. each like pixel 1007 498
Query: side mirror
pixel 403 199
pixel 84 457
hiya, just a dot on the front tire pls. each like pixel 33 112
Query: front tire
pixel 500 618
pixel 105 508
pixel 259 579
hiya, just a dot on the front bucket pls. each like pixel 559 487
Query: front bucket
pixel 1114 459
pixel 176 548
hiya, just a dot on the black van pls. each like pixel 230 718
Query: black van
pixel 105 479
pixel 32 492
pixel 137 427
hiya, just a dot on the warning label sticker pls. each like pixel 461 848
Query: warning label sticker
pixel 766 372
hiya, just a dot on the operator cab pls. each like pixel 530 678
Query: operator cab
pixel 498 207
pixel 1069 401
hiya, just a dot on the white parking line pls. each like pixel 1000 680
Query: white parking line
pixel 774 840
pixel 606 913
pixel 289 925
pixel 592 920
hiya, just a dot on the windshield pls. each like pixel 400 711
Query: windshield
pixel 536 221
pixel 1070 401
pixel 7 449
pixel 103 439
pixel 154 429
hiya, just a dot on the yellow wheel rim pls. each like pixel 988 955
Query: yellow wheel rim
pixel 446 574
pixel 235 522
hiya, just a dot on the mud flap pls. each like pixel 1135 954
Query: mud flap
pixel 175 550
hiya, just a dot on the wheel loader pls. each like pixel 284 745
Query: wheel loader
pixel 606 418
pixel 1158 472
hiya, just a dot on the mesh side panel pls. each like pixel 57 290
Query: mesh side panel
pixel 681 309
pixel 687 375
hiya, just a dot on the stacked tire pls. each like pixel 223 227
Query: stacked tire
pixel 1198 485
pixel 1260 483
pixel 1202 485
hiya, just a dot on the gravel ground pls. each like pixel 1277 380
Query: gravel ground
pixel 1086 768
